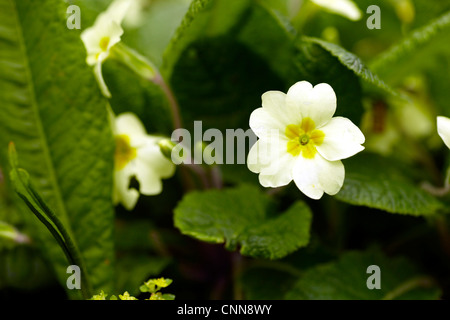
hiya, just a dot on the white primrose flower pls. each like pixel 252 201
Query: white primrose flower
pixel 345 8
pixel 137 154
pixel 102 36
pixel 443 128
pixel 300 140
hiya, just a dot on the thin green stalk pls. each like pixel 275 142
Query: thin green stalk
pixel 237 269
pixel 409 285
pixel 144 68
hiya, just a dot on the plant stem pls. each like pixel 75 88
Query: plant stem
pixel 444 235
pixel 237 267
pixel 406 286
pixel 216 177
pixel 173 103
pixel 148 71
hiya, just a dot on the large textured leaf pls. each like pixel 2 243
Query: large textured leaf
pixel 378 182
pixel 277 281
pixel 421 50
pixel 353 63
pixel 243 217
pixel 52 110
pixel 131 93
pixel 346 279
pixel 213 67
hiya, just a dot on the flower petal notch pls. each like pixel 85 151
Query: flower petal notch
pixel 300 140
pixel 102 37
pixel 345 8
pixel 443 128
pixel 138 155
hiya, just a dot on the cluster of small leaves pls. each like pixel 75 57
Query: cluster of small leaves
pixel 152 286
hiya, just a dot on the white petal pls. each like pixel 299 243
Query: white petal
pixel 346 8
pixel 272 161
pixel 152 155
pixel 149 180
pixel 265 151
pixel 274 102
pixel 343 139
pixel 91 40
pixel 122 193
pixel 317 103
pixel 252 158
pixel 443 128
pixel 129 124
pixel 118 9
pixel 114 33
pixel 264 124
pixel 279 173
pixel 315 176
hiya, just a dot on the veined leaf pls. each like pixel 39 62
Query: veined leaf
pixel 415 51
pixel 242 217
pixel 353 63
pixel 185 33
pixel 23 186
pixel 52 110
pixel 378 182
pixel 347 278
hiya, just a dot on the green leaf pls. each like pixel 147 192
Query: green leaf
pixel 346 279
pixel 378 182
pixel 274 285
pixel 131 93
pixel 160 19
pixel 192 25
pixel 223 89
pixel 421 50
pixel 242 217
pixel 21 182
pixel 353 63
pixel 168 296
pixel 23 267
pixel 54 113
pixel 220 63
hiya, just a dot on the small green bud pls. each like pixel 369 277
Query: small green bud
pixel 166 146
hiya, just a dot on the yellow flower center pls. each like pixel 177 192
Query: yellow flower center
pixel 104 42
pixel 124 152
pixel 304 138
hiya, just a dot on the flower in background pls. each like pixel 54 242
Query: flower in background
pixel 443 128
pixel 300 140
pixel 102 36
pixel 135 16
pixel 345 8
pixel 137 155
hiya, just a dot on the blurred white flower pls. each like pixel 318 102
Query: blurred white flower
pixel 102 36
pixel 443 128
pixel 135 16
pixel 300 140
pixel 345 8
pixel 137 154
